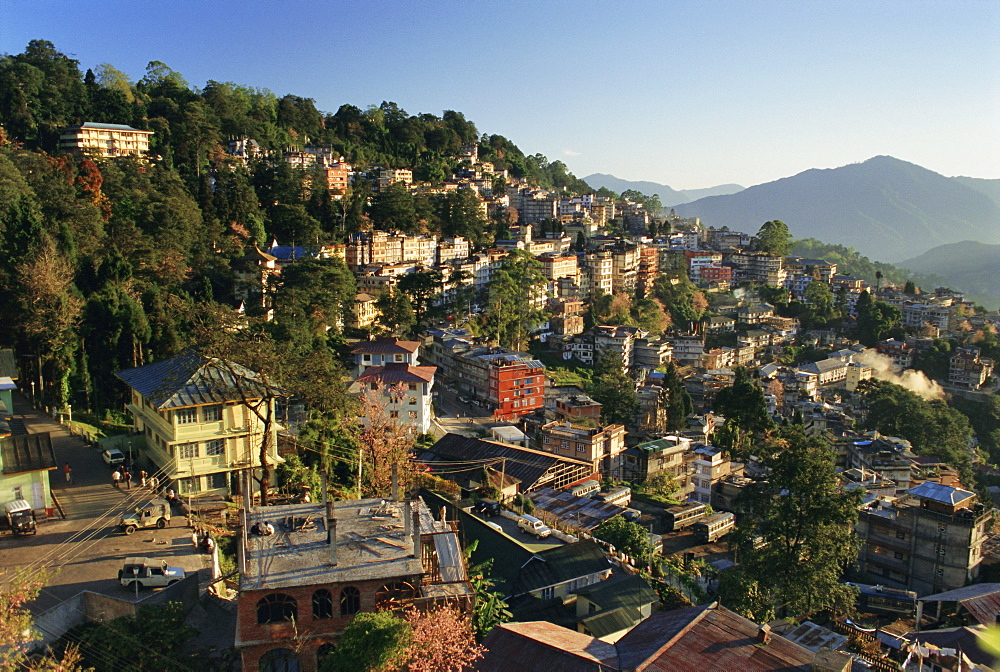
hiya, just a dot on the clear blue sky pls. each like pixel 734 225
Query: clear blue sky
pixel 689 94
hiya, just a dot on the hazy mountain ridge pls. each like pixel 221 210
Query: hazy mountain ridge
pixel 668 195
pixel 967 265
pixel 885 208
pixel 989 188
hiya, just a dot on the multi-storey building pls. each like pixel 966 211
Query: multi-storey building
pixel 899 352
pixel 300 587
pixel 937 315
pixel 390 176
pixel 966 369
pixel 624 267
pixel 338 177
pixel 670 455
pixel 578 406
pixel 404 393
pixel 929 540
pixel 598 273
pixel 616 342
pixel 384 351
pixel 105 140
pixel 651 352
pixel 203 421
pixel 710 466
pixel 602 447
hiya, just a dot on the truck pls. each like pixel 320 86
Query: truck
pixel 154 513
pixel 148 573
pixel 19 517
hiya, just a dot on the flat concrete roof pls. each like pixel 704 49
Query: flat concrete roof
pixel 371 543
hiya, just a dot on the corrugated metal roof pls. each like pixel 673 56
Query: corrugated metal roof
pixel 537 646
pixel 8 364
pixel 110 127
pixel 706 638
pixel 559 564
pixel 398 374
pixel 386 346
pixel 191 379
pixel 27 452
pixel 940 493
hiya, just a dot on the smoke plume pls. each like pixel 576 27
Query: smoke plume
pixel 913 380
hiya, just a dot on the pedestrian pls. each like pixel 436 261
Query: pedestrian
pixel 68 470
pixel 127 476
pixel 194 539
pixel 153 483
pixel 117 476
pixel 142 478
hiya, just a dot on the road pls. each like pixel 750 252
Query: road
pixel 86 550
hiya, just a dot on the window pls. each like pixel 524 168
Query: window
pixel 215 448
pixel 186 416
pixel 322 653
pixel 413 401
pixel 219 480
pixel 393 414
pixel 898 555
pixel 212 413
pixel 398 358
pixel 322 604
pixel 901 535
pixel 411 387
pixel 276 608
pixel 187 451
pixel 279 660
pixel 564 444
pixel 580 447
pixel 350 601
pixel 187 486
pixel 413 415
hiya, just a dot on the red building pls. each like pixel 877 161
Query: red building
pixel 516 386
pixel 717 273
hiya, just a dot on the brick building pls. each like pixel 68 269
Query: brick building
pixel 300 586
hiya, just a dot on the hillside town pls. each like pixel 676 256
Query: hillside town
pixel 503 426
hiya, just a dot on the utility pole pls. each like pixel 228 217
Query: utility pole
pixel 359 471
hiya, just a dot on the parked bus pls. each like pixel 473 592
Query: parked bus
pixel 683 515
pixel 887 601
pixel 711 528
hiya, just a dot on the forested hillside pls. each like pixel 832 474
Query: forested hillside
pixel 107 265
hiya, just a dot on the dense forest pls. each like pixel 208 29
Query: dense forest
pixel 111 264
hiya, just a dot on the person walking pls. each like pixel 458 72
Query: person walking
pixel 68 470
pixel 127 477
pixel 116 477
pixel 142 478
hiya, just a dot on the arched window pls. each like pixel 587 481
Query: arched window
pixel 279 660
pixel 322 604
pixel 350 601
pixel 276 608
pixel 322 653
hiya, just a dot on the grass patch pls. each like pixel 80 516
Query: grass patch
pixel 563 371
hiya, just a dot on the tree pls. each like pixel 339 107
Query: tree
pixel 16 630
pixel 615 390
pixel 675 400
pixel 798 531
pixel 371 642
pixel 513 294
pixel 932 427
pixel 875 319
pixel 628 538
pixel 820 297
pixel 395 312
pixel 382 441
pixel 774 238
pixel 442 641
pixel 150 641
pixel 491 610
pixel 421 287
pixel 394 208
pixel 745 409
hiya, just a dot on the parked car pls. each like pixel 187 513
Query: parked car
pixel 148 573
pixel 533 526
pixel 488 507
pixel 19 517
pixel 154 513
pixel 113 457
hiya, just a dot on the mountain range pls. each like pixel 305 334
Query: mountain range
pixel 968 265
pixel 887 209
pixel 668 195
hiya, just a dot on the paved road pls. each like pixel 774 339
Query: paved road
pixel 86 550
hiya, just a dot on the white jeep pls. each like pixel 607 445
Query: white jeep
pixel 148 573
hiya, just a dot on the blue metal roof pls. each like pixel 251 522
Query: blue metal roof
pixel 110 127
pixel 191 379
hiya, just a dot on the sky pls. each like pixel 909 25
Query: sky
pixel 689 94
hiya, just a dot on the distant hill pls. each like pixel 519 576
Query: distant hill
pixel 968 265
pixel 885 208
pixel 990 188
pixel 668 195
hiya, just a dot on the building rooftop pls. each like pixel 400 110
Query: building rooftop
pixel 397 372
pixel 940 493
pixel 109 127
pixel 583 512
pixel 386 346
pixel 374 540
pixel 191 379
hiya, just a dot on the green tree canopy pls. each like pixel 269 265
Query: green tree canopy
pixel 774 238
